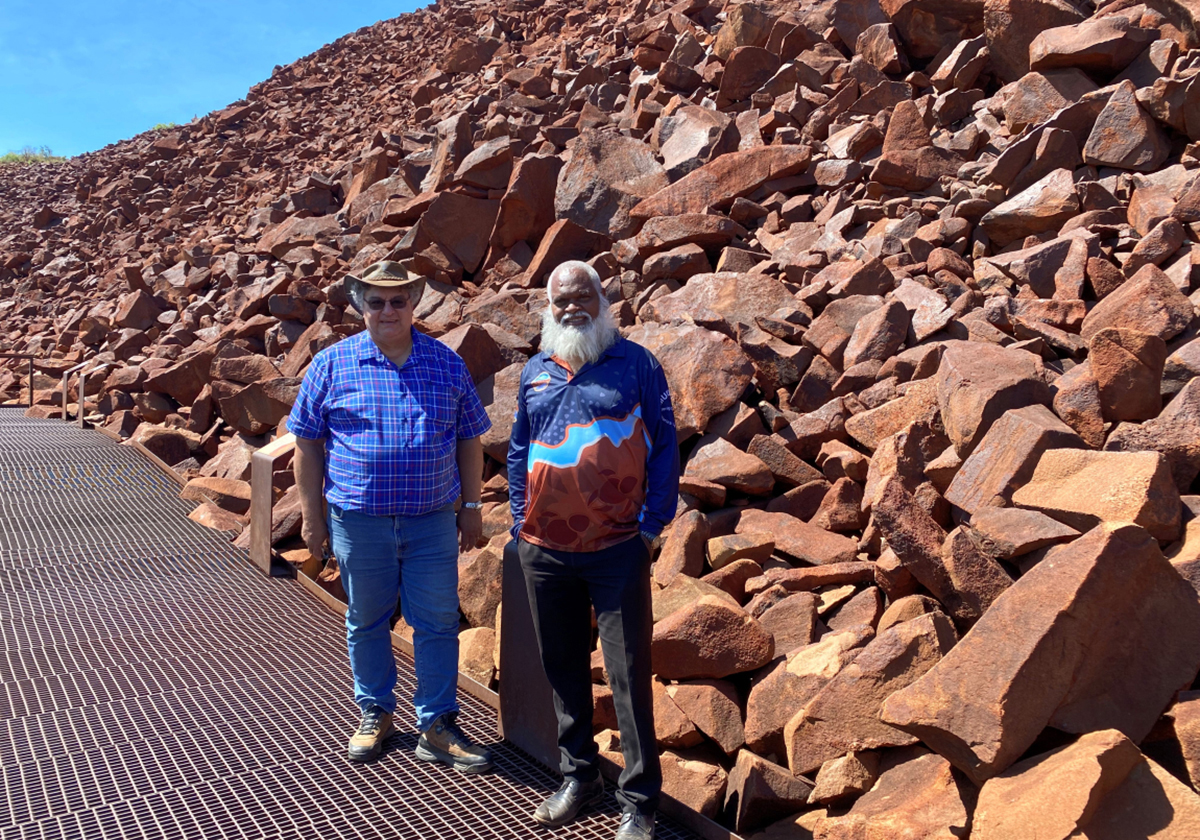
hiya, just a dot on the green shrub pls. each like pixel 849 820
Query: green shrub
pixel 158 126
pixel 29 154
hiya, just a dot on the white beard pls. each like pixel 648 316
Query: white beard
pixel 578 346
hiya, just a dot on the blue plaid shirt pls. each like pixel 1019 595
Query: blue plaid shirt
pixel 391 433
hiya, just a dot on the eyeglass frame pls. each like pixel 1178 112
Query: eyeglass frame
pixel 380 304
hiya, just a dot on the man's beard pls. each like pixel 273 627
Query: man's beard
pixel 578 345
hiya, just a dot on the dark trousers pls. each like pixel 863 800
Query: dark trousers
pixel 563 585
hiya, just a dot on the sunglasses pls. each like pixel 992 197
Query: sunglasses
pixel 377 304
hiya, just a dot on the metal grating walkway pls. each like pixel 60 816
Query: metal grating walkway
pixel 155 685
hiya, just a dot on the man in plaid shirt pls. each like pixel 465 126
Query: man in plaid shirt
pixel 387 427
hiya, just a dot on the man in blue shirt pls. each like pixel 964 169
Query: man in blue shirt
pixel 593 477
pixel 387 426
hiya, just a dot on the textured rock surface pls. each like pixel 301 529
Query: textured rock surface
pixel 1052 652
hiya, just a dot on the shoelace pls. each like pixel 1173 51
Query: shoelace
pixel 455 732
pixel 370 721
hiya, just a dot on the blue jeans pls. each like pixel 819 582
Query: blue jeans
pixel 415 559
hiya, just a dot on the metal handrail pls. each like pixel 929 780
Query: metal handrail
pixel 82 386
pixel 30 359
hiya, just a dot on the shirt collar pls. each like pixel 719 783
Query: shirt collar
pixel 370 350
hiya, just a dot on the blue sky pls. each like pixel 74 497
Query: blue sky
pixel 76 76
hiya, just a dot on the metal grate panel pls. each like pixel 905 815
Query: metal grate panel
pixel 154 685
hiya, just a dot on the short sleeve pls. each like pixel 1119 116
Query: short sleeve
pixel 473 420
pixel 307 418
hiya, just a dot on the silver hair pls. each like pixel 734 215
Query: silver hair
pixel 576 265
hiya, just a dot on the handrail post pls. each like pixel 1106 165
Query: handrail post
pixel 66 377
pixel 28 357
pixel 82 395
pixel 262 498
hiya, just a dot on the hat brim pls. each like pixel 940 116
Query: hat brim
pixel 356 286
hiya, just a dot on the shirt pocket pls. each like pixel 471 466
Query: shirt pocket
pixel 354 414
pixel 432 410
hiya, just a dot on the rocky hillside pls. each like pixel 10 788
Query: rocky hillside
pixel 921 274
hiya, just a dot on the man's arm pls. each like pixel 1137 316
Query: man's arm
pixel 309 465
pixel 518 458
pixel 470 473
pixel 662 462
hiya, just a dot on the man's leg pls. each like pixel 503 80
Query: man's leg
pixel 618 579
pixel 562 620
pixel 429 603
pixel 365 547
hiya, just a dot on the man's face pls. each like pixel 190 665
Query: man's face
pixel 388 312
pixel 573 300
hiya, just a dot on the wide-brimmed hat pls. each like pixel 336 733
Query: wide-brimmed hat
pixel 386 273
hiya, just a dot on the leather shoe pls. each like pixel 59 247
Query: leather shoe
pixel 636 826
pixel 562 806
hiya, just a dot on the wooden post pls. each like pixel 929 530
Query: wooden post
pixel 262 498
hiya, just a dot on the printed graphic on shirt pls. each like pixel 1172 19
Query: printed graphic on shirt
pixel 582 436
pixel 588 487
pixel 540 382
pixel 593 456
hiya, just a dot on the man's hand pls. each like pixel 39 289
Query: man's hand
pixel 470 528
pixel 315 534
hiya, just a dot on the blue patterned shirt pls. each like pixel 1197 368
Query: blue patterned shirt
pixel 593 456
pixel 391 433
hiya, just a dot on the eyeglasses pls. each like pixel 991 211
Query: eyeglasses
pixel 377 304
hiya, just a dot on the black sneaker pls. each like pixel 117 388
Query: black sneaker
pixel 564 805
pixel 375 728
pixel 635 826
pixel 447 743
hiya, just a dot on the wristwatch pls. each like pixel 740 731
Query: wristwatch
pixel 472 505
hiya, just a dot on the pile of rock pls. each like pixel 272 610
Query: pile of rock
pixel 921 277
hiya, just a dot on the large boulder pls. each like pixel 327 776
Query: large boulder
pixel 978 382
pixel 1148 302
pixel 1006 456
pixel 722 180
pixel 1099 636
pixel 1041 207
pixel 709 638
pixel 916 796
pixel 1175 434
pixel 760 792
pixel 1099 787
pixel 606 177
pixel 928 27
pixel 1082 488
pixel 706 371
pixel 1012 25
pixel 844 715
pixel 734 297
pixel 791 683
